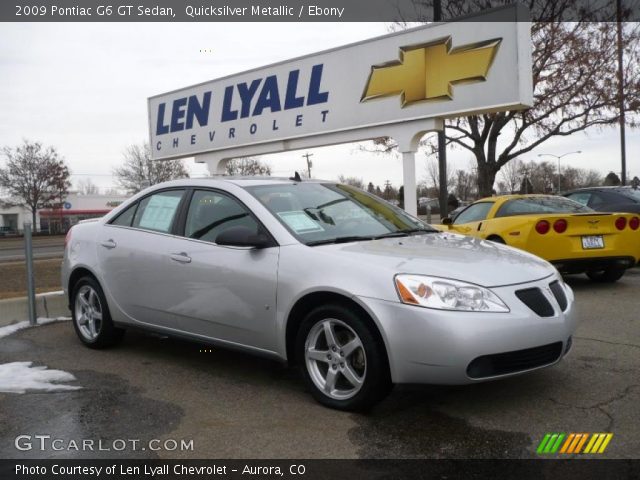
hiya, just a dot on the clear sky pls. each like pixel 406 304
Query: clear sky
pixel 83 88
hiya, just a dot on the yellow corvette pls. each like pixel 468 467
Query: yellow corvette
pixel 574 238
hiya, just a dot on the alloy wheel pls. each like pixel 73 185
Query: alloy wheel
pixel 88 312
pixel 335 359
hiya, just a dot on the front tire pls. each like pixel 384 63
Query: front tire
pixel 90 314
pixel 608 275
pixel 343 360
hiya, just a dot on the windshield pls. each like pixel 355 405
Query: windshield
pixel 317 213
pixel 533 205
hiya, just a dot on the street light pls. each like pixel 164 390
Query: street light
pixel 558 157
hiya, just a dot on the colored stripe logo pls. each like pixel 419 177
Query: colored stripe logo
pixel 574 443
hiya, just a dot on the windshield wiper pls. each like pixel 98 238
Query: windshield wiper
pixel 406 232
pixel 345 239
pixel 358 238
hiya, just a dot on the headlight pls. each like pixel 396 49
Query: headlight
pixel 445 294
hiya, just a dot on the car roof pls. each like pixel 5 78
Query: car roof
pixel 601 188
pixel 241 181
pixel 513 196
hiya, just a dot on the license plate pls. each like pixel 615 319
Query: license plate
pixel 592 241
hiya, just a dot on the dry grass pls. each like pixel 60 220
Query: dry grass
pixel 13 277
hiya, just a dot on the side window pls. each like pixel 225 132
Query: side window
pixel 581 197
pixel 157 212
pixel 596 200
pixel 125 218
pixel 474 213
pixel 211 213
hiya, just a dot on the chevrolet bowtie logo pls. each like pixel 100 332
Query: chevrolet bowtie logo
pixel 427 72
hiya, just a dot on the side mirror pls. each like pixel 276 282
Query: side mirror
pixel 243 237
pixel 447 221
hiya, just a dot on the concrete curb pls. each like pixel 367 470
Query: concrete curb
pixel 48 305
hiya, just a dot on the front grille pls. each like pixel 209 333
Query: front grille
pixel 536 301
pixel 558 292
pixel 512 362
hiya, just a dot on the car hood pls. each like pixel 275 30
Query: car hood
pixel 446 255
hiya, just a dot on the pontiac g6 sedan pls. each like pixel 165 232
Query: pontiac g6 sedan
pixel 356 292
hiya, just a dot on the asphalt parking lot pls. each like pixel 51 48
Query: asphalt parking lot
pixel 236 406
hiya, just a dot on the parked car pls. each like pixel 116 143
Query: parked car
pixel 322 275
pixel 608 199
pixel 573 237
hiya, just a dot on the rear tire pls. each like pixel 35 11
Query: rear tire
pixel 90 314
pixel 344 362
pixel 608 275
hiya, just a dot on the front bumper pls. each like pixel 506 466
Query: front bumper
pixel 437 347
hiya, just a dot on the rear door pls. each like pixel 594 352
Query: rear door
pixel 134 258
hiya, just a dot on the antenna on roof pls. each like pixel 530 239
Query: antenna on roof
pixel 296 177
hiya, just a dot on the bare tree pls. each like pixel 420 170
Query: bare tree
pixel 542 176
pixel 353 181
pixel 511 174
pixel 433 177
pixel 573 178
pixel 87 187
pixel 466 184
pixel 574 88
pixel 34 177
pixel 247 166
pixel 112 191
pixel 139 172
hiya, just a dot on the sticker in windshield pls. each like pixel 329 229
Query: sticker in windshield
pixel 300 222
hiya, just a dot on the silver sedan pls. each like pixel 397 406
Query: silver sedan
pixel 356 292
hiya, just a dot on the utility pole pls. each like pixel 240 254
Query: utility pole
pixel 309 163
pixel 442 139
pixel 387 190
pixel 623 152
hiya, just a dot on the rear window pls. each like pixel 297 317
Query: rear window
pixel 126 217
pixel 537 205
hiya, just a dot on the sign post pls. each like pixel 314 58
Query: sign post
pixel 28 255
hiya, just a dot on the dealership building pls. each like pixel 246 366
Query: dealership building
pixel 75 207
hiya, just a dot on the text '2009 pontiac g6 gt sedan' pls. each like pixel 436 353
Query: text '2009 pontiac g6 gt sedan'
pixel 352 289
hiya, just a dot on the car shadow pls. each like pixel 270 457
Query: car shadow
pixel 580 282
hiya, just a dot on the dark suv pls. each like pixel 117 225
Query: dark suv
pixel 608 199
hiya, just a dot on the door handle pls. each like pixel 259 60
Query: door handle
pixel 181 257
pixel 109 244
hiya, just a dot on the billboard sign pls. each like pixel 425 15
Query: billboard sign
pixel 435 71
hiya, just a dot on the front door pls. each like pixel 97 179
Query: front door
pixel 227 293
